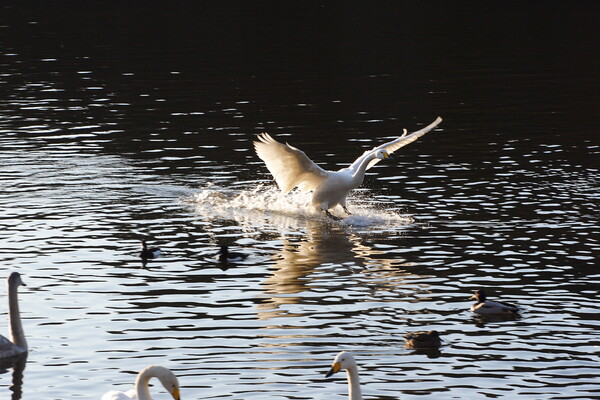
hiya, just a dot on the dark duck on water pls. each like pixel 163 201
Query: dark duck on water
pixel 149 253
pixel 486 307
pixel 226 256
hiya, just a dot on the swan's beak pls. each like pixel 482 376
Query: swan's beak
pixel 175 394
pixel 386 155
pixel 334 368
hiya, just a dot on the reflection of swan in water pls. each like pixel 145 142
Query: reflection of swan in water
pixel 141 390
pixel 17 363
pixel 292 168
pixel 323 244
pixel 345 360
pixel 17 343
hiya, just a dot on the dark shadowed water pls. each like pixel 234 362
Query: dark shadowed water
pixel 123 121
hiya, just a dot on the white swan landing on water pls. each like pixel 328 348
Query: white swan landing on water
pixel 16 344
pixel 141 390
pixel 292 168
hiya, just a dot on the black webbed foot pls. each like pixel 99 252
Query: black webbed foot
pixel 330 215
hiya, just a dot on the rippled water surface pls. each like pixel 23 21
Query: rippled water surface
pixel 120 123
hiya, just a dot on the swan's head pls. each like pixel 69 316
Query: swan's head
pixel 343 360
pixel 479 295
pixel 166 377
pixel 170 382
pixel 15 280
pixel 382 154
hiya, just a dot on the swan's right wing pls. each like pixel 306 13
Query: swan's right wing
pixel 395 144
pixel 289 166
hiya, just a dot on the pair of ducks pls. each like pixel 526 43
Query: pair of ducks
pixel 482 306
pixel 225 256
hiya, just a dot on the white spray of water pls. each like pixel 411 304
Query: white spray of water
pixel 267 204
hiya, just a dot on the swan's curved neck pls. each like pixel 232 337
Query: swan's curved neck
pixel 354 392
pixel 141 382
pixel 141 385
pixel 359 174
pixel 17 336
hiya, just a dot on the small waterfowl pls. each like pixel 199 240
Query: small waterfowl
pixel 345 360
pixel 16 344
pixel 423 340
pixel 141 390
pixel 149 253
pixel 226 256
pixel 291 167
pixel 485 307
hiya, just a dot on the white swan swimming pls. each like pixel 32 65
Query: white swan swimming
pixel 345 360
pixel 291 168
pixel 141 390
pixel 16 344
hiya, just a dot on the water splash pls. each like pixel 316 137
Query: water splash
pixel 268 204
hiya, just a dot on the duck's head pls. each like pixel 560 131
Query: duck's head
pixel 479 295
pixel 433 334
pixel 224 250
pixel 343 360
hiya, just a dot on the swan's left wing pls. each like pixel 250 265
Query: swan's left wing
pixel 8 348
pixel 289 166
pixel 395 144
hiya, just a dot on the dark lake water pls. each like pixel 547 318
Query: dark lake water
pixel 123 121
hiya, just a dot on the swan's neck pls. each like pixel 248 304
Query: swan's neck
pixel 359 175
pixel 17 336
pixel 141 385
pixel 354 392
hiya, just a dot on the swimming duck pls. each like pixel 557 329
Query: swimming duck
pixel 485 307
pixel 292 168
pixel 226 256
pixel 149 253
pixel 345 360
pixel 423 340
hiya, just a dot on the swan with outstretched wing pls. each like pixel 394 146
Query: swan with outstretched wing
pixel 292 168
